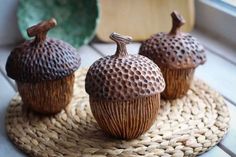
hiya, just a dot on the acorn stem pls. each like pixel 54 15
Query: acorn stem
pixel 121 42
pixel 177 22
pixel 40 30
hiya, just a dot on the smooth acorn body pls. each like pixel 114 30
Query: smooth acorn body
pixel 43 69
pixel 177 54
pixel 124 92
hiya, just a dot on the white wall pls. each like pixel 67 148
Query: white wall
pixel 9 32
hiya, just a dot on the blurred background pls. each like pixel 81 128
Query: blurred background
pixel 79 21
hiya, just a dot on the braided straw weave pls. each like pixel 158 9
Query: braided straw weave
pixel 184 127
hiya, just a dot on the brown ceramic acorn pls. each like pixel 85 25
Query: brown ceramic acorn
pixel 43 69
pixel 177 54
pixel 124 91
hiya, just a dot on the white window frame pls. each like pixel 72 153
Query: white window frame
pixel 216 19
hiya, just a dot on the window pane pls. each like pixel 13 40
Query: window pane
pixel 230 2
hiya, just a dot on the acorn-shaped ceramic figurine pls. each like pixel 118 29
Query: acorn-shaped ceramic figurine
pixel 43 69
pixel 177 54
pixel 124 91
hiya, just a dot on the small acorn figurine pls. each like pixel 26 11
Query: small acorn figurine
pixel 43 69
pixel 177 54
pixel 124 91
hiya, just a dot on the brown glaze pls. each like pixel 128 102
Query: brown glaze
pixel 48 97
pixel 176 50
pixel 178 82
pixel 177 22
pixel 126 119
pixel 123 76
pixel 44 70
pixel 43 58
pixel 121 42
pixel 40 30
pixel 124 91
pixel 177 54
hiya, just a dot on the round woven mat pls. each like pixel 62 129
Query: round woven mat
pixel 184 127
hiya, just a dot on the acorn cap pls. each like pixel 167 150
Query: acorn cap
pixel 175 49
pixel 122 76
pixel 43 58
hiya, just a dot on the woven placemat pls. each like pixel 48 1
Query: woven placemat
pixel 184 127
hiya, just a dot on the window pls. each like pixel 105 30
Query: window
pixel 232 3
pixel 217 17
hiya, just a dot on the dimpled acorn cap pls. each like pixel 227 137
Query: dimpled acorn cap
pixel 122 76
pixel 43 58
pixel 175 49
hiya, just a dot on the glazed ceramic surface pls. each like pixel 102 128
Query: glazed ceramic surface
pixel 77 19
pixel 45 67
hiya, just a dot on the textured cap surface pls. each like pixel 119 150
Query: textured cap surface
pixel 175 49
pixel 123 77
pixel 42 58
pixel 48 60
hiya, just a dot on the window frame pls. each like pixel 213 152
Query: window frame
pixel 216 18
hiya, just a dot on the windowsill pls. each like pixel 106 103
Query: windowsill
pixel 216 45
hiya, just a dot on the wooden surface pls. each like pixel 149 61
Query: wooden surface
pixel 219 72
pixel 148 17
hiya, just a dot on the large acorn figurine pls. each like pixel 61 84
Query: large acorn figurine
pixel 177 54
pixel 124 91
pixel 43 69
